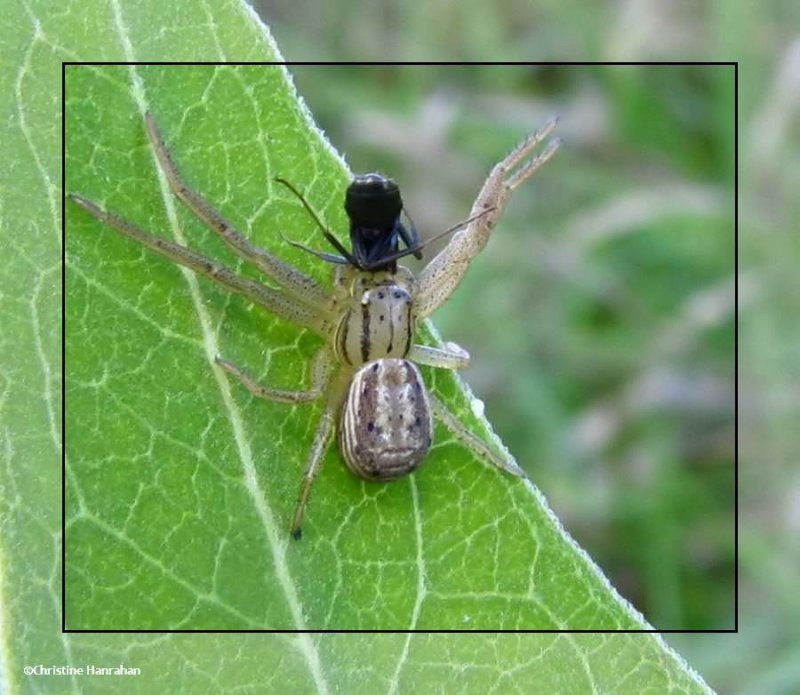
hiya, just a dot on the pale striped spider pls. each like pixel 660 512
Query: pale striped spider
pixel 367 321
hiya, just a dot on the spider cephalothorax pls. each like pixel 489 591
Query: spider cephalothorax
pixel 366 368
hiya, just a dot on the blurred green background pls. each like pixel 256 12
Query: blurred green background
pixel 601 316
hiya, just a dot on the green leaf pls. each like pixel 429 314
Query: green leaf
pixel 185 480
pixel 180 485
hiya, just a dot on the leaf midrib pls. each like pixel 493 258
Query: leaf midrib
pixel 276 545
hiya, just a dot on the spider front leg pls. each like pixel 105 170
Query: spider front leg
pixel 271 300
pixel 297 284
pixel 443 274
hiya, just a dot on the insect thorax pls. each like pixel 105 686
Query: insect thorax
pixel 379 321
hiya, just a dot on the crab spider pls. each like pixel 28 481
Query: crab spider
pixel 366 369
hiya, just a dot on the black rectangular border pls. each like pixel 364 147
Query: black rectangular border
pixel 734 64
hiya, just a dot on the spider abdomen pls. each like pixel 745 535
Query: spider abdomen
pixel 386 426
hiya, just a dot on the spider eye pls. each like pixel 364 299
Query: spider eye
pixel 373 201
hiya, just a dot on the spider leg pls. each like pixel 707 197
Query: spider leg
pixel 451 356
pixel 320 376
pixel 297 284
pixel 472 441
pixel 443 274
pixel 272 300
pixel 322 439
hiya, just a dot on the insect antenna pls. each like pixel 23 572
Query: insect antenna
pixel 331 239
pixel 319 254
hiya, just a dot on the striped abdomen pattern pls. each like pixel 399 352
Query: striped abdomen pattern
pixel 386 426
